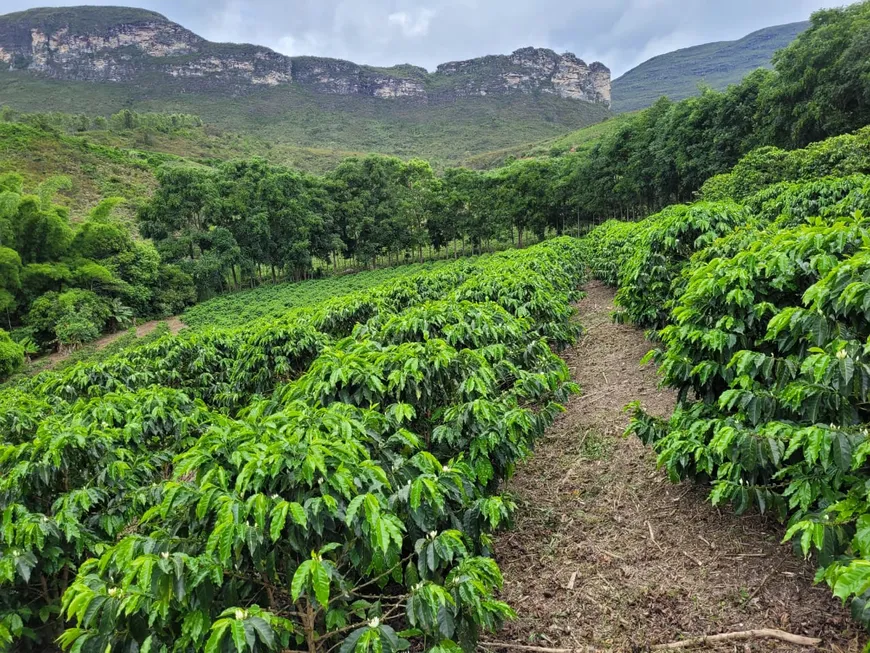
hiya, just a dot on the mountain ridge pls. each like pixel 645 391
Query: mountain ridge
pixel 120 44
pixel 717 64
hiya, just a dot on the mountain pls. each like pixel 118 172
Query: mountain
pixel 118 44
pixel 677 74
pixel 103 59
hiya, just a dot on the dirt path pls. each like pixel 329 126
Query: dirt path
pixel 175 325
pixel 654 562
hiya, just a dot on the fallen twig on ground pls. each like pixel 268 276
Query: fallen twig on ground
pixel 540 649
pixel 761 633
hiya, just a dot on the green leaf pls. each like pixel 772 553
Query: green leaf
pixel 841 450
pixel 298 514
pixel 279 517
pixel 238 633
pixel 218 629
pixel 264 631
pixel 300 579
pixel 320 580
pixel 349 644
pixel 353 508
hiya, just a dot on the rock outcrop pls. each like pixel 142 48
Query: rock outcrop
pixel 530 70
pixel 345 78
pixel 122 45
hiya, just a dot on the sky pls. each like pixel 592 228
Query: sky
pixel 619 33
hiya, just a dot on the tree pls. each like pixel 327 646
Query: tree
pixel 69 318
pixel 100 237
pixel 183 204
pixel 42 232
pixel 417 202
pixel 822 85
pixel 174 291
pixel 11 355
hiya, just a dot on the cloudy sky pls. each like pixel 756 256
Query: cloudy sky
pixel 620 33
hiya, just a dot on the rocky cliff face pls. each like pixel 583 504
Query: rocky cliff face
pixel 113 44
pixel 531 70
pixel 345 78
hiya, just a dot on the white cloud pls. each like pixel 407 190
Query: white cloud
pixel 412 26
pixel 308 43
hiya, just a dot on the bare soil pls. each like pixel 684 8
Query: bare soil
pixel 652 562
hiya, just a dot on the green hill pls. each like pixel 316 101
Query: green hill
pixel 677 74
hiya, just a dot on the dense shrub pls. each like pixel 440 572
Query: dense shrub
pixel 835 157
pixel 69 283
pixel 69 318
pixel 608 247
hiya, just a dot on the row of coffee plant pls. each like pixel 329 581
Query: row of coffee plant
pixel 760 302
pixel 274 301
pixel 322 481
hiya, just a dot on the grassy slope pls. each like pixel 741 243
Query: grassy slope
pixel 96 171
pixel 575 141
pixel 677 74
pixel 443 133
pixel 106 163
pixel 210 143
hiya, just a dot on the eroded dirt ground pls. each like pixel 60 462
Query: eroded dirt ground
pixel 652 562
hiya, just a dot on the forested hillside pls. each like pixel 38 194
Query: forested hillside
pixel 664 154
pixel 319 469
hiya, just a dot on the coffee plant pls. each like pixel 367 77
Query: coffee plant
pixel 327 479
pixel 763 322
pixel 659 251
pixel 274 301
